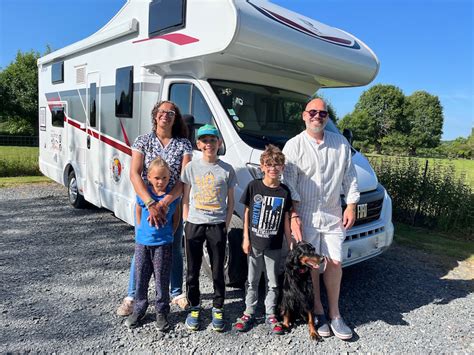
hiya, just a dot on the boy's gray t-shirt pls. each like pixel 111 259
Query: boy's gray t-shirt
pixel 209 189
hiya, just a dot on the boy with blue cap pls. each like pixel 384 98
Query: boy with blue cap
pixel 208 204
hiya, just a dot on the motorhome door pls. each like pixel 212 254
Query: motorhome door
pixel 93 153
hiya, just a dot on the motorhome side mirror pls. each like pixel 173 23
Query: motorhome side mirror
pixel 348 134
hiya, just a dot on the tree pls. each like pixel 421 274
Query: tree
pixel 19 94
pixel 361 126
pixel 383 106
pixel 424 114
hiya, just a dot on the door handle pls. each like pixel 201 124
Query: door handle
pixel 88 142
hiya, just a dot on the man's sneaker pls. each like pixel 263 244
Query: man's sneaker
pixel 134 319
pixel 162 322
pixel 340 329
pixel 244 323
pixel 192 320
pixel 218 323
pixel 126 308
pixel 322 325
pixel 181 301
pixel 274 324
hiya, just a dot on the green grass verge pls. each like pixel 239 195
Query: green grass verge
pixel 435 242
pixel 19 161
pixel 20 180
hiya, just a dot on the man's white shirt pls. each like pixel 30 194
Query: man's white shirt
pixel 315 174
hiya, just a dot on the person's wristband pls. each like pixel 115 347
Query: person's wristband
pixel 149 203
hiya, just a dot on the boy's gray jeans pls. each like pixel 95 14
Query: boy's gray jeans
pixel 267 261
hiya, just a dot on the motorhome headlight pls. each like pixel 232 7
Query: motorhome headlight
pixel 254 170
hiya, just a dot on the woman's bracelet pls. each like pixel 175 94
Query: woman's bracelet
pixel 149 202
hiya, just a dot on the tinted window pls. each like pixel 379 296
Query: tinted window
pixel 57 73
pixel 124 92
pixel 166 16
pixel 180 94
pixel 57 116
pixel 200 110
pixel 92 104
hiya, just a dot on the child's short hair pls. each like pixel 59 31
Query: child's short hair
pixel 158 162
pixel 272 155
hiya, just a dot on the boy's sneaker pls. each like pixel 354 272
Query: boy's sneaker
pixel 218 323
pixel 244 323
pixel 192 320
pixel 340 329
pixel 126 308
pixel 322 325
pixel 133 320
pixel 162 322
pixel 274 324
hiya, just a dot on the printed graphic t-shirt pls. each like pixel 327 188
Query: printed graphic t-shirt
pixel 209 190
pixel 267 207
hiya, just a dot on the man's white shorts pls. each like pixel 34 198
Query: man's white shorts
pixel 327 242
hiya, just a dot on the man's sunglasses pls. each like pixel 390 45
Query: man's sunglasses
pixel 313 113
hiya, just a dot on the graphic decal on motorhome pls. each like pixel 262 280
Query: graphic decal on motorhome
pixel 116 169
pixel 305 26
pixel 176 38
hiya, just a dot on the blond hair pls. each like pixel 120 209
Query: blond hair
pixel 158 162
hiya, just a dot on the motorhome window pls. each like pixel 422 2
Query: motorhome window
pixel 200 110
pixel 190 101
pixel 57 73
pixel 92 104
pixel 262 114
pixel 180 94
pixel 57 116
pixel 166 16
pixel 124 92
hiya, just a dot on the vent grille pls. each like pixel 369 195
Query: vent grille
pixel 81 75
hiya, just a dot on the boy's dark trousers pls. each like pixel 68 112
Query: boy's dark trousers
pixel 196 235
pixel 152 260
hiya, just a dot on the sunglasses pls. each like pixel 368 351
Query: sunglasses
pixel 322 114
pixel 169 113
pixel 208 140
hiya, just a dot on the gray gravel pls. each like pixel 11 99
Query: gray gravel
pixel 64 272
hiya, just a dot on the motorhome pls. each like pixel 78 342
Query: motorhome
pixel 246 66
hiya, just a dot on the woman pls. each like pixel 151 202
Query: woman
pixel 168 139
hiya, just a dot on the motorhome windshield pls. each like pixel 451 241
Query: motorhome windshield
pixel 262 114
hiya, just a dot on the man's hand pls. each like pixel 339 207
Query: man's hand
pixel 246 246
pixel 348 218
pixel 296 228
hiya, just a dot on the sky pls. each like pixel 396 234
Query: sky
pixel 421 44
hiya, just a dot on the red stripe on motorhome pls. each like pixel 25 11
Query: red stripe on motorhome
pixel 176 38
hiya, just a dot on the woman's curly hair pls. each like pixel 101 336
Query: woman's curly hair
pixel 179 129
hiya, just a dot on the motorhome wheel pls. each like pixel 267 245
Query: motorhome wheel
pixel 75 198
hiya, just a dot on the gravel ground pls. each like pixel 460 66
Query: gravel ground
pixel 64 272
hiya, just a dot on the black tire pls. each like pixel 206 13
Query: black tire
pixel 235 266
pixel 75 198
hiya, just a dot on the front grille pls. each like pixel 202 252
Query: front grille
pixel 365 234
pixel 369 207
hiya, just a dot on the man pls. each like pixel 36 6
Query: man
pixel 319 163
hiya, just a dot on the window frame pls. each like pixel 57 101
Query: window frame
pixel 164 30
pixel 129 112
pixel 55 108
pixel 54 72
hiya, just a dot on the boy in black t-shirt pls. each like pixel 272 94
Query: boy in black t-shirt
pixel 266 219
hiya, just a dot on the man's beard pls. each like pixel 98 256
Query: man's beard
pixel 318 129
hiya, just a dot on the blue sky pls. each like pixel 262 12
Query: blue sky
pixel 421 44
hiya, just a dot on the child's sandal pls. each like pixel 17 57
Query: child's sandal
pixel 275 325
pixel 244 323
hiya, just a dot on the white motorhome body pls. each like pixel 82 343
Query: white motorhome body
pixel 246 66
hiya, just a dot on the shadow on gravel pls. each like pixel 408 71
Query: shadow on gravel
pixel 64 272
pixel 395 283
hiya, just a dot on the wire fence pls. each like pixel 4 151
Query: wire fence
pixel 18 141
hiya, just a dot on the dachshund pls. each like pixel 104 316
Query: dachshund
pixel 297 292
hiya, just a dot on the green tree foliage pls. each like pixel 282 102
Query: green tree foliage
pixel 384 106
pixel 362 128
pixel 19 94
pixel 424 114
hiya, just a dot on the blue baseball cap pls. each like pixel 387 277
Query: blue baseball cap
pixel 207 130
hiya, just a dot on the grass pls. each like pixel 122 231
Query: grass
pixel 20 180
pixel 19 161
pixel 462 166
pixel 435 242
